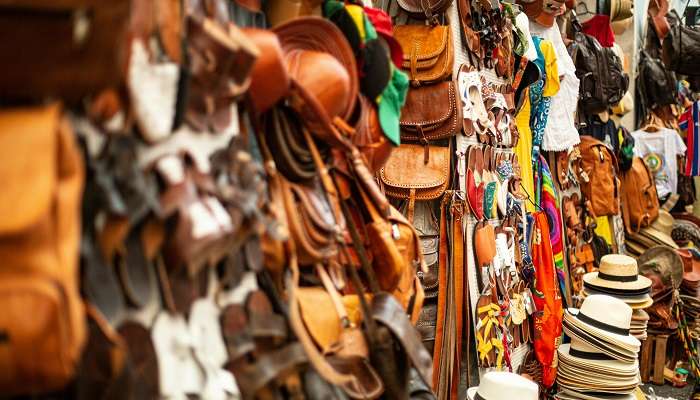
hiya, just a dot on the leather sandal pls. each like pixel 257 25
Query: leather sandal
pixel 474 184
pixel 473 112
pixel 489 346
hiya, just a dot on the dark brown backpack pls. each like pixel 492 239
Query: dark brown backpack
pixel 603 82
pixel 681 48
pixel 640 203
pixel 597 177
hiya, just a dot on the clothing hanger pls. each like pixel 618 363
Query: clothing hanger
pixel 530 198
pixel 653 124
pixel 586 11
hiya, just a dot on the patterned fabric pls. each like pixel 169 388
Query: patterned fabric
pixel 539 103
pixel 548 199
pixel 690 123
pixel 547 298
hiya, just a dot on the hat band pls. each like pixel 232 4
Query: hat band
pixel 617 278
pixel 478 397
pixel 602 325
pixel 587 355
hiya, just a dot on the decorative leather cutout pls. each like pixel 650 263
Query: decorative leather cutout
pixel 424 8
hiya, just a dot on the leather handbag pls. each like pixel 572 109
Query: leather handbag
pixel 681 48
pixel 427 52
pixel 640 204
pixel 598 177
pixel 40 232
pixel 427 9
pixel 87 51
pixel 431 113
pixel 408 176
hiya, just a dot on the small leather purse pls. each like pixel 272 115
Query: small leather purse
pixel 431 113
pixel 409 176
pixel 427 52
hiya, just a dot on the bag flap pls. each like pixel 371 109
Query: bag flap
pixel 406 169
pixel 428 105
pixel 321 318
pixel 28 171
pixel 422 42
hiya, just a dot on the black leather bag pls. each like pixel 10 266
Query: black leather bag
pixel 681 48
pixel 603 82
pixel 655 83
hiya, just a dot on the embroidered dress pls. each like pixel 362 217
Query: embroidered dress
pixel 541 92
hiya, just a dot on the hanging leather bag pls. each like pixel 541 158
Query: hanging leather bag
pixel 431 113
pixel 681 47
pixel 42 323
pixel 408 176
pixel 640 204
pixel 598 176
pixel 427 52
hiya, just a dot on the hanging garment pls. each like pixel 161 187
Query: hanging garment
pixel 548 199
pixel 659 150
pixel 560 132
pixel 599 27
pixel 547 298
pixel 542 91
pixel 689 122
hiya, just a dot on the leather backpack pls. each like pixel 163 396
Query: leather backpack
pixel 42 322
pixel 598 176
pixel 681 47
pixel 640 204
pixel 603 82
pixel 655 83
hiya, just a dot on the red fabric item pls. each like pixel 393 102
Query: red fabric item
pixel 382 24
pixel 549 314
pixel 599 27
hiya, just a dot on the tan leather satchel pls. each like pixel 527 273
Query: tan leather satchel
pixel 408 175
pixel 427 52
pixel 42 322
pixel 640 203
pixel 598 177
pixel 431 113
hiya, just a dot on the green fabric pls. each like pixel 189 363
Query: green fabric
pixel 331 7
pixel 390 103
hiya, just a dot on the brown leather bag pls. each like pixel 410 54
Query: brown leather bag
pixel 598 176
pixel 87 50
pixel 42 177
pixel 640 203
pixel 427 52
pixel 408 176
pixel 431 113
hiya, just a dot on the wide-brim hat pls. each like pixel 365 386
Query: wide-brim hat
pixel 612 349
pixel 660 230
pixel 504 386
pixel 635 302
pixel 617 271
pixel 580 355
pixel 620 10
pixel 606 317
pixel 664 262
pixel 568 394
pixel 328 85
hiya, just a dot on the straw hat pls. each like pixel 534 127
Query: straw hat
pixel 660 230
pixel 620 10
pixel 579 355
pixel 611 349
pixel 665 263
pixel 567 394
pixel 607 318
pixel 617 271
pixel 504 386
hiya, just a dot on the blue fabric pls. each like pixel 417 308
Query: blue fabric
pixel 540 104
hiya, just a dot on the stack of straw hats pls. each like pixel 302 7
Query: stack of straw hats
pixel 690 289
pixel 601 360
pixel 659 233
pixel 618 276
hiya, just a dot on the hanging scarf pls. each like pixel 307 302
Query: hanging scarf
pixel 539 103
pixel 549 314
pixel 546 197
